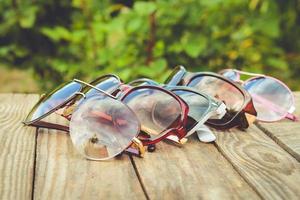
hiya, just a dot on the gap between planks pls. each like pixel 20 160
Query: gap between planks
pixel 34 164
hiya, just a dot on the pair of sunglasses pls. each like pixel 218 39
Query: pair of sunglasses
pixel 240 108
pixel 104 125
pixel 201 107
pixel 272 99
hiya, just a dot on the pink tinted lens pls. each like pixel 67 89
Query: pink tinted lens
pixel 102 127
pixel 156 110
pixel 271 99
pixel 222 90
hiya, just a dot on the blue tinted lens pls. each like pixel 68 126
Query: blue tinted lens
pixel 107 83
pixel 53 100
pixel 232 75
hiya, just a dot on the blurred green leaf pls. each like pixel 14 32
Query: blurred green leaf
pixel 194 45
pixel 28 16
pixel 144 8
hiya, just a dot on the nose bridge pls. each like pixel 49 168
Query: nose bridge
pixel 122 89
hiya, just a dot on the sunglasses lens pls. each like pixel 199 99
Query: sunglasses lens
pixel 107 83
pixel 102 127
pixel 222 90
pixel 271 99
pixel 198 106
pixel 157 110
pixel 52 100
pixel 230 74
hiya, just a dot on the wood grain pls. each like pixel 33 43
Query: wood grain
pixel 286 133
pixel 268 168
pixel 195 171
pixel 61 173
pixel 17 144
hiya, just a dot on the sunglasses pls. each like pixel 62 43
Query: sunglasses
pixel 240 109
pixel 201 107
pixel 272 99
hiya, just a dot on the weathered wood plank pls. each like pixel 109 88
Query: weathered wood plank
pixel 195 171
pixel 273 172
pixel 61 173
pixel 286 133
pixel 17 144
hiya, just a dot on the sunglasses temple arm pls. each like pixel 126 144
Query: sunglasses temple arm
pixel 247 73
pixel 136 148
pixel 43 124
pixel 92 86
pixel 292 117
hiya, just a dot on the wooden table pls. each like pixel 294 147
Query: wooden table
pixel 262 162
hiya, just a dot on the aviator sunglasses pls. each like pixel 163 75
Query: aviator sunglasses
pixel 272 99
pixel 240 109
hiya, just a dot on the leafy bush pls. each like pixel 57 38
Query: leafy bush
pixel 87 38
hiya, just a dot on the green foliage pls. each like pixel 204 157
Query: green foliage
pixel 87 38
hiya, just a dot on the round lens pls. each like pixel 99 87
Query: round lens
pixel 157 110
pixel 52 100
pixel 198 106
pixel 222 90
pixel 102 127
pixel 230 74
pixel 271 99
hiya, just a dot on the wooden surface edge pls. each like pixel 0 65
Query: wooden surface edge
pixel 18 146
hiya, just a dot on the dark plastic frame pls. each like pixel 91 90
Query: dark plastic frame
pixel 240 119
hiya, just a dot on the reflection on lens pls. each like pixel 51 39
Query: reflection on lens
pixel 156 110
pixel 102 127
pixel 107 83
pixel 222 90
pixel 198 106
pixel 54 99
pixel 176 76
pixel 271 99
pixel 231 74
